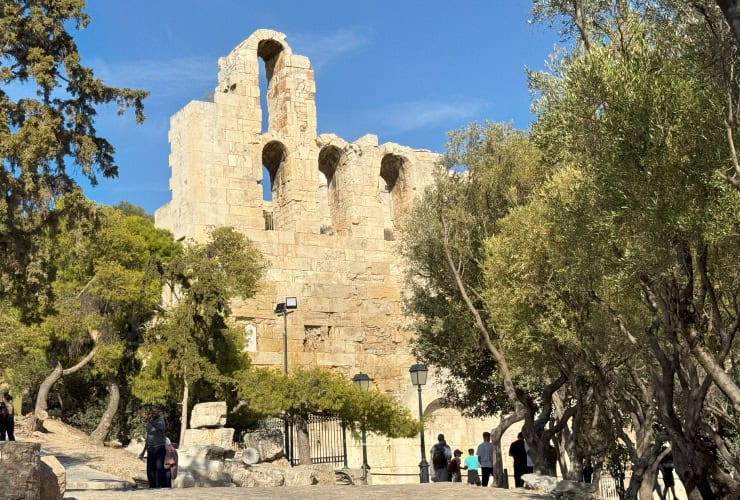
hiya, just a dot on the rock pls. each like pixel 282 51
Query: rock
pixel 210 478
pixel 250 456
pixel 572 490
pixel 208 452
pixel 19 469
pixel 206 415
pixel 308 475
pixel 53 481
pixel 260 475
pixel 135 446
pixel 183 480
pixel 539 482
pixel 268 442
pixel 218 437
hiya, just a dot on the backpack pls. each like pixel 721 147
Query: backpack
pixel 439 458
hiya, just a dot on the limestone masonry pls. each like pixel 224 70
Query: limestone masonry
pixel 329 233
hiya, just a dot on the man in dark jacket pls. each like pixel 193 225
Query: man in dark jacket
pixel 155 449
pixel 518 451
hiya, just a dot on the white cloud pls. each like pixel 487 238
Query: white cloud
pixel 415 115
pixel 322 49
pixel 159 75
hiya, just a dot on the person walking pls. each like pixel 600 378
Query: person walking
pixel 154 446
pixel 454 467
pixel 518 451
pixel 9 424
pixel 485 457
pixel 471 464
pixel 441 455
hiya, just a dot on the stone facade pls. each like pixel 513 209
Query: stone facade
pixel 20 476
pixel 329 232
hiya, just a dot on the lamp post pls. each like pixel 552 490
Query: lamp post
pixel 362 380
pixel 419 378
pixel 283 309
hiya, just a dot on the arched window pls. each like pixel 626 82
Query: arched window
pixel 268 51
pixel 274 155
pixel 392 193
pixel 329 158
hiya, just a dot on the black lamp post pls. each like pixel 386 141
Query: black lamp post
pixel 283 309
pixel 362 380
pixel 419 378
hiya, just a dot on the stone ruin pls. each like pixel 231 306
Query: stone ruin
pixel 329 229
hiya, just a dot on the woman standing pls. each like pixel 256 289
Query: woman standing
pixel 9 418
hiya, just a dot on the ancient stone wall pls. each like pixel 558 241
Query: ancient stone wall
pixel 330 232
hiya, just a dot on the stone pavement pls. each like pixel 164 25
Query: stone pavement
pixel 446 491
pixel 82 477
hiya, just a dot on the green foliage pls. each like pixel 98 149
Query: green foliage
pixel 314 391
pixel 487 171
pixel 41 137
pixel 192 342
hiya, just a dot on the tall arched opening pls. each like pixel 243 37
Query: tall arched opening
pixel 393 194
pixel 269 51
pixel 329 158
pixel 274 155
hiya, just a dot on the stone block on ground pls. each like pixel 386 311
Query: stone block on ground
pixel 573 490
pixel 210 478
pixel 539 482
pixel 268 442
pixel 53 478
pixel 207 415
pixel 183 480
pixel 309 475
pixel 19 469
pixel 260 475
pixel 223 438
pixel 250 456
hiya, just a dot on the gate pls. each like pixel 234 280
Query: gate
pixel 327 438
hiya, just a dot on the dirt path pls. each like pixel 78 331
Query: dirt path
pixel 64 440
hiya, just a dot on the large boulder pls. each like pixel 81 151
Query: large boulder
pixel 260 475
pixel 308 475
pixel 268 442
pixel 210 478
pixel 183 480
pixel 19 469
pixel 53 480
pixel 214 437
pixel 202 458
pixel 540 482
pixel 207 415
pixel 572 490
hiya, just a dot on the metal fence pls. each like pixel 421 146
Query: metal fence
pixel 327 438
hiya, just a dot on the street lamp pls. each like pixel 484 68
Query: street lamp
pixel 283 309
pixel 419 378
pixel 362 381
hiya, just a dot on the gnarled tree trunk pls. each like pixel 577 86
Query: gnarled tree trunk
pixel 499 480
pixel 103 428
pixel 43 396
pixel 184 414
pixel 304 447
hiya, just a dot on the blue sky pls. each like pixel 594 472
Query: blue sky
pixel 406 70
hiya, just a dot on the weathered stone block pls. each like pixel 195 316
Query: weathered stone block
pixel 218 437
pixel 19 470
pixel 53 478
pixel 211 414
pixel 267 442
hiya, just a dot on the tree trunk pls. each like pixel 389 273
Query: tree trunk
pixel 184 414
pixel 304 446
pixel 647 485
pixel 499 480
pixel 103 428
pixel 731 11
pixel 43 395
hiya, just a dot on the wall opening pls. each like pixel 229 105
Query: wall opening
pixel 268 51
pixel 329 158
pixel 392 193
pixel 274 155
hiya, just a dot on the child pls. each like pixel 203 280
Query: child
pixel 471 464
pixel 454 467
